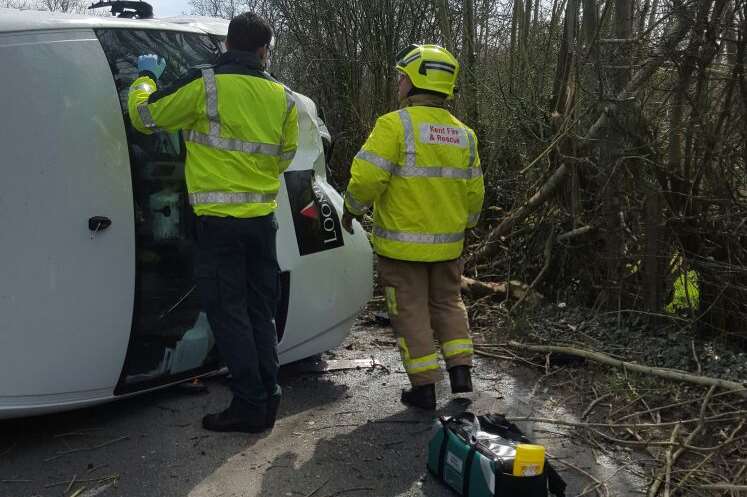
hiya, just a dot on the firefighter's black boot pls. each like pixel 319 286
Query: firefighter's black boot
pixel 423 396
pixel 238 417
pixel 461 379
pixel 273 404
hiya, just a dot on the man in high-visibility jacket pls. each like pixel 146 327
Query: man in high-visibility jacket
pixel 241 131
pixel 420 171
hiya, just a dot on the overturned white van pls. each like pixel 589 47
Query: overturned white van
pixel 97 299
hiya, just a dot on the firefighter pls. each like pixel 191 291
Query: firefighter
pixel 420 171
pixel 241 130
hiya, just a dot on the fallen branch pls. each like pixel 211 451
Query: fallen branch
pixel 666 474
pixel 514 289
pixel 78 492
pixel 513 357
pixel 478 289
pixel 729 439
pixel 593 404
pixel 348 490
pixel 672 406
pixel 671 374
pixel 89 480
pixel 548 258
pixel 724 486
pixel 598 483
pixel 574 233
pixel 310 494
pixel 723 417
pixel 70 485
pixel 99 446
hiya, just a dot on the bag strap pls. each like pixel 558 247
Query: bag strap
pixel 442 451
pixel 475 424
pixel 467 474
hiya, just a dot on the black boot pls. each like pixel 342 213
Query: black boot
pixel 423 396
pixel 273 404
pixel 461 379
pixel 238 417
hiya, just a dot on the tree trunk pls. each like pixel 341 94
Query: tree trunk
pixel 670 40
pixel 590 22
pixel 442 12
pixel 515 31
pixel 653 269
pixel 563 87
pixel 469 65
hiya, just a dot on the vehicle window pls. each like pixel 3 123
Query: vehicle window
pixel 171 337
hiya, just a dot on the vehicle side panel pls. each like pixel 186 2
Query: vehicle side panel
pixel 66 294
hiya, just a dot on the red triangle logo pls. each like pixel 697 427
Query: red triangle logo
pixel 310 211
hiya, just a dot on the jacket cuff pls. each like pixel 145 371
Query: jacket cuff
pixel 148 74
pixel 353 206
pixel 472 220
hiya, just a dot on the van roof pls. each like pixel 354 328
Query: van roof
pixel 14 20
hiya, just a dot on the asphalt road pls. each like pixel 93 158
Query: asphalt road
pixel 340 433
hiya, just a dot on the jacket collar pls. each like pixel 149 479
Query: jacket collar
pixel 422 99
pixel 248 59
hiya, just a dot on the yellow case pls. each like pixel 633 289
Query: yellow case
pixel 530 460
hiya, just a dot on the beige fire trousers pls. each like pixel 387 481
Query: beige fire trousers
pixel 423 299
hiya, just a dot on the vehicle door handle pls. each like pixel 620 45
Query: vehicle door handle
pixel 98 223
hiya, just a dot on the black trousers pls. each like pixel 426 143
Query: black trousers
pixel 238 278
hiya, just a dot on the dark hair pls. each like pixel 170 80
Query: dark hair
pixel 248 32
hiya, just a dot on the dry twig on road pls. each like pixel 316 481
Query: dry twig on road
pixel 82 449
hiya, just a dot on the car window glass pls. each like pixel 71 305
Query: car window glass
pixel 171 337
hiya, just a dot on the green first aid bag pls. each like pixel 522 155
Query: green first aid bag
pixel 474 455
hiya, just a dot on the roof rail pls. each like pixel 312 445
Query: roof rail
pixel 128 9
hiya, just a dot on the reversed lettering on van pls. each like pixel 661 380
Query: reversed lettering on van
pixel 314 217
pixel 438 134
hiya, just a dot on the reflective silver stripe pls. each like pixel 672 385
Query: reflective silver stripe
pixel 418 171
pixel 409 59
pixel 211 100
pixel 472 147
pixel 431 238
pixel 376 160
pixel 438 172
pixel 145 116
pixel 415 366
pixel 409 138
pixel 288 155
pixel 232 144
pixel 358 207
pixel 290 102
pixel 472 219
pixel 144 87
pixel 456 349
pixel 441 66
pixel 230 198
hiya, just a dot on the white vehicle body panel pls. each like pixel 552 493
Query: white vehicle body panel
pixel 67 295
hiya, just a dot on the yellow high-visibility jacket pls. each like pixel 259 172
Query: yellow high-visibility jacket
pixel 420 171
pixel 240 127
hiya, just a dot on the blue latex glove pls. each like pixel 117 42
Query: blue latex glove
pixel 151 63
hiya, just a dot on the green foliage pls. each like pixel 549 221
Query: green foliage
pixel 686 293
